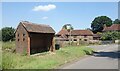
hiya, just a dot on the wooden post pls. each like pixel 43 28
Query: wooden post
pixel 78 41
pixel 52 48
pixel 70 36
pixel 28 48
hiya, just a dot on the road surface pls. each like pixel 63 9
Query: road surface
pixel 106 57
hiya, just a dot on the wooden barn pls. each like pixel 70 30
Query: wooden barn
pixel 32 38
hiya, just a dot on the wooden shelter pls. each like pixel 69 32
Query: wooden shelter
pixel 33 38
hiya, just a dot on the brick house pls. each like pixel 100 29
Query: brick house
pixel 76 35
pixel 33 38
pixel 114 27
pixel 62 35
pixel 96 36
pixel 82 35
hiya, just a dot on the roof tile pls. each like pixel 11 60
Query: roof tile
pixel 38 28
pixel 114 27
pixel 75 32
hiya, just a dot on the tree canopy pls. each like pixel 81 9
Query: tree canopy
pixel 8 33
pixel 99 22
pixel 66 27
pixel 114 35
pixel 117 21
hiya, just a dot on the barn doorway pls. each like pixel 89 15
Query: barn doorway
pixel 40 42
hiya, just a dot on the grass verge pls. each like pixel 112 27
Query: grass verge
pixel 46 61
pixel 8 45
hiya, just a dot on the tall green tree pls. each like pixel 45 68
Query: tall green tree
pixel 116 21
pixel 8 33
pixel 68 27
pixel 99 22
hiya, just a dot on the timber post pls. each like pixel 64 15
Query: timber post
pixel 28 48
pixel 52 48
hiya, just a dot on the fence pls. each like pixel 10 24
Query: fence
pixel 107 42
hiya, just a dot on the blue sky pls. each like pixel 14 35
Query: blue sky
pixel 56 14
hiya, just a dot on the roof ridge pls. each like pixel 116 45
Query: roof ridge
pixel 27 22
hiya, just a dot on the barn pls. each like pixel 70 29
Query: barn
pixel 34 38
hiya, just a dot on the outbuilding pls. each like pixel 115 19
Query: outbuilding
pixel 34 38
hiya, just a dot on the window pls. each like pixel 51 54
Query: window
pixel 75 39
pixel 85 39
pixel 23 39
pixel 23 34
pixel 18 35
pixel 18 39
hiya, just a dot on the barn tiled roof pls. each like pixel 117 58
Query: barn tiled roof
pixel 114 27
pixel 37 28
pixel 75 32
pixel 82 32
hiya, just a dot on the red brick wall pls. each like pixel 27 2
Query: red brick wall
pixel 21 40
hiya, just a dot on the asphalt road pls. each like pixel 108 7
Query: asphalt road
pixel 105 57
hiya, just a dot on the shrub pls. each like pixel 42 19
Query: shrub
pixel 8 33
pixel 114 35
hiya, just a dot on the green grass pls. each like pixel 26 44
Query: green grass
pixel 45 60
pixel 8 45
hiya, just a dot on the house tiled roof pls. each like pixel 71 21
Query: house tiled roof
pixel 63 32
pixel 75 32
pixel 82 32
pixel 37 28
pixel 114 27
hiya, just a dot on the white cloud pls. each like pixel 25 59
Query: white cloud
pixel 44 18
pixel 44 7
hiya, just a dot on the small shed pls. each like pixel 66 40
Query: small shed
pixel 34 38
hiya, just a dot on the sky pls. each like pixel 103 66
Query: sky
pixel 60 0
pixel 56 14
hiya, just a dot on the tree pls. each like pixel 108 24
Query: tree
pixel 68 27
pixel 106 36
pixel 99 22
pixel 8 33
pixel 117 21
pixel 114 35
